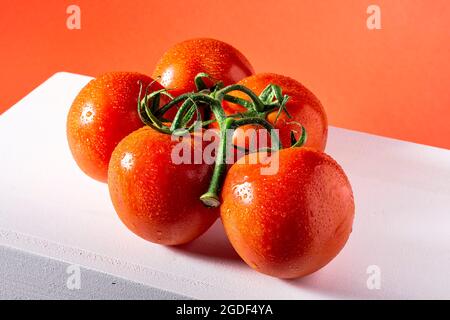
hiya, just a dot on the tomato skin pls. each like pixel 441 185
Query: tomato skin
pixel 182 62
pixel 303 106
pixel 102 114
pixel 155 198
pixel 292 223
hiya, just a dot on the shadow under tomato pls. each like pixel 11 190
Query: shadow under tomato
pixel 324 285
pixel 345 279
pixel 212 244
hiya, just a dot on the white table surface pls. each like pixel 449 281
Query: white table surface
pixel 48 207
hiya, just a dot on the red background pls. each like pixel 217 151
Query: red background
pixel 393 82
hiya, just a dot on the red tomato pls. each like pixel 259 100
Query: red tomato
pixel 156 197
pixel 291 223
pixel 303 106
pixel 181 63
pixel 102 114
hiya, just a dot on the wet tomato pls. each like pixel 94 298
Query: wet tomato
pixel 180 64
pixel 303 107
pixel 102 114
pixel 293 222
pixel 156 194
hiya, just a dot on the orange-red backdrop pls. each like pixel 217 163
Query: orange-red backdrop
pixel 393 82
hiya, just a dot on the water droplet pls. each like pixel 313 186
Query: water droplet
pixel 244 192
pixel 127 161
pixel 87 114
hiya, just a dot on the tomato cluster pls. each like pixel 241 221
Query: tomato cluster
pixel 287 208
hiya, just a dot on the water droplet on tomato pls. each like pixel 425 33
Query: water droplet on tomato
pixel 244 192
pixel 166 77
pixel 127 161
pixel 87 114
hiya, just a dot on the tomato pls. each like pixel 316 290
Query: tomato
pixel 102 114
pixel 303 106
pixel 291 223
pixel 156 197
pixel 181 63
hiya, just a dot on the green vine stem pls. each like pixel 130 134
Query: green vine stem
pixel 211 197
pixel 270 99
pixel 258 105
pixel 303 137
pixel 190 99
pixel 275 139
pixel 144 111
pixel 199 83
pixel 246 104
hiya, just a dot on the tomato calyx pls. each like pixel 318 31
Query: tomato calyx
pixel 188 118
